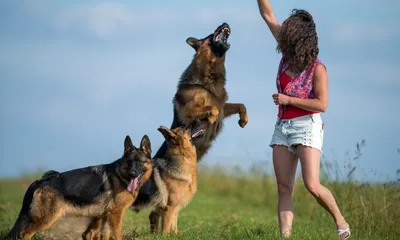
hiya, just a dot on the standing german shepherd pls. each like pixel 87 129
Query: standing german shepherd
pixel 201 91
pixel 173 179
pixel 104 191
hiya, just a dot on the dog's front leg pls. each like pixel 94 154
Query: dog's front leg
pixel 104 233
pixel 174 224
pixel 154 218
pixel 167 218
pixel 115 222
pixel 236 108
pixel 92 232
pixel 96 229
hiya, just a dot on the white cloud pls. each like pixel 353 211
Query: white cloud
pixel 356 32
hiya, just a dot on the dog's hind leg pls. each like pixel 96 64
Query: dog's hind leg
pixel 45 209
pixel 154 218
pixel 236 108
pixel 39 224
pixel 194 111
pixel 195 104
pixel 39 211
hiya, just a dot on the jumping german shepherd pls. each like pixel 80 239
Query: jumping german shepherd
pixel 104 191
pixel 201 91
pixel 173 179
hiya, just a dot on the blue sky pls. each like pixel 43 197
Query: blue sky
pixel 78 76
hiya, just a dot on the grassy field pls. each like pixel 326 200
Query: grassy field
pixel 238 205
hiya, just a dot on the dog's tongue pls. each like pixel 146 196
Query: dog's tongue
pixel 132 184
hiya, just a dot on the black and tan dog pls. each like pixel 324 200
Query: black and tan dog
pixel 103 191
pixel 201 91
pixel 174 179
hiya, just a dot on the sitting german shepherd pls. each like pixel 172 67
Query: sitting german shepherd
pixel 173 179
pixel 201 91
pixel 104 191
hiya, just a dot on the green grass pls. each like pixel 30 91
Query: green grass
pixel 236 205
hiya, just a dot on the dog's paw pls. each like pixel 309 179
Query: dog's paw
pixel 244 118
pixel 213 114
pixel 242 123
pixel 214 111
pixel 212 119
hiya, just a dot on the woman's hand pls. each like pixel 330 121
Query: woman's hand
pixel 281 99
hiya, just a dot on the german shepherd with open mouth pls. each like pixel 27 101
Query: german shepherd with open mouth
pixel 103 191
pixel 173 180
pixel 201 91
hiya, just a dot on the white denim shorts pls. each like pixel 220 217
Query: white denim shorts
pixel 305 130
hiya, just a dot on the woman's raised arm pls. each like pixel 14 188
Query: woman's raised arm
pixel 269 17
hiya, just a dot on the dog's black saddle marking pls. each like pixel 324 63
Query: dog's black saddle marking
pixel 80 186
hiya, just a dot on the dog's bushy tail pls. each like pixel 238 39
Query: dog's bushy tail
pixel 19 226
pixel 23 217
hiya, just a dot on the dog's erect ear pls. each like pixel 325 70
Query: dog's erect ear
pixel 145 146
pixel 168 134
pixel 128 146
pixel 193 42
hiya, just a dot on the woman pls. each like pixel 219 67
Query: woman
pixel 302 84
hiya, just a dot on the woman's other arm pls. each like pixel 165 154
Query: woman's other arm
pixel 320 88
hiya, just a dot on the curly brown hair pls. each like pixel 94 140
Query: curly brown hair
pixel 298 41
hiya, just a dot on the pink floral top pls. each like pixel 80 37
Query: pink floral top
pixel 301 85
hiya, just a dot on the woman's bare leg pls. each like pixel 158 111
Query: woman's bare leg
pixel 285 164
pixel 310 165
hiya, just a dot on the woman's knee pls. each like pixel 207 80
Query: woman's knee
pixel 285 190
pixel 313 188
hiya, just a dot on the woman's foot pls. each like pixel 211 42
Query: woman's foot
pixel 343 230
pixel 287 233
